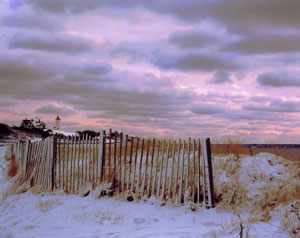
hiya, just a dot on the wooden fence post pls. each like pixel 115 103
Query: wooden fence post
pixel 210 172
pixel 206 152
pixel 101 155
pixel 54 153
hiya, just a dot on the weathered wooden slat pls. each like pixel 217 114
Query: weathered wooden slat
pixel 85 159
pixel 58 162
pixel 193 174
pixel 48 177
pixel 120 163
pixel 37 163
pixel 115 158
pixel 163 195
pixel 109 153
pixel 93 161
pixel 177 169
pixel 199 171
pixel 63 157
pixel 90 159
pixel 72 164
pixel 140 167
pixel 82 159
pixel 135 161
pixel 187 184
pixel 124 163
pixel 130 162
pixel 172 170
pixel 67 187
pixel 29 154
pixel 203 174
pixel 161 170
pixel 151 170
pixel 78 163
pixel 25 158
pixel 146 164
pixel 40 168
pixel 156 170
pixel 182 174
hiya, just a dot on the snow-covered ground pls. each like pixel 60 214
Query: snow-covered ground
pixel 45 215
pixel 64 133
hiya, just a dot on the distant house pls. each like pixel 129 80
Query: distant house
pixel 27 124
pixel 39 124
pixel 31 124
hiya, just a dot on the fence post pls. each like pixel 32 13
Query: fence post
pixel 207 161
pixel 101 155
pixel 54 146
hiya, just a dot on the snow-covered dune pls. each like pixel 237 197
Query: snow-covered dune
pixel 57 215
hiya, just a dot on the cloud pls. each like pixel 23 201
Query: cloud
pixel 193 61
pixel 112 92
pixel 192 39
pixel 29 20
pixel 276 105
pixel 4 102
pixel 206 109
pixel 30 76
pixel 279 79
pixel 17 70
pixel 235 15
pixel 64 6
pixel 97 69
pixel 220 77
pixel 265 44
pixel 50 43
pixel 54 109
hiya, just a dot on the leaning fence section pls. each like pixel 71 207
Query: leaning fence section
pixel 175 170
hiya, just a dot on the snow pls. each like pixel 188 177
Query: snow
pixel 58 215
pixel 35 140
pixel 64 133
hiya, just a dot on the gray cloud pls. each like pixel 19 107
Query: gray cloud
pixel 31 77
pixel 279 79
pixel 97 69
pixel 110 92
pixel 29 21
pixel 192 39
pixel 220 77
pixel 64 6
pixel 276 105
pixel 206 109
pixel 4 102
pixel 256 117
pixel 193 62
pixel 50 43
pixel 234 14
pixel 264 44
pixel 55 110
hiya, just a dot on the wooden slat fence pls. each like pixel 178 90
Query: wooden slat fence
pixel 176 170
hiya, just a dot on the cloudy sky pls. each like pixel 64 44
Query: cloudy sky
pixel 172 68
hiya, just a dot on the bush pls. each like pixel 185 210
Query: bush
pixel 4 130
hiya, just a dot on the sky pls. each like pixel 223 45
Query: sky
pixel 211 68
